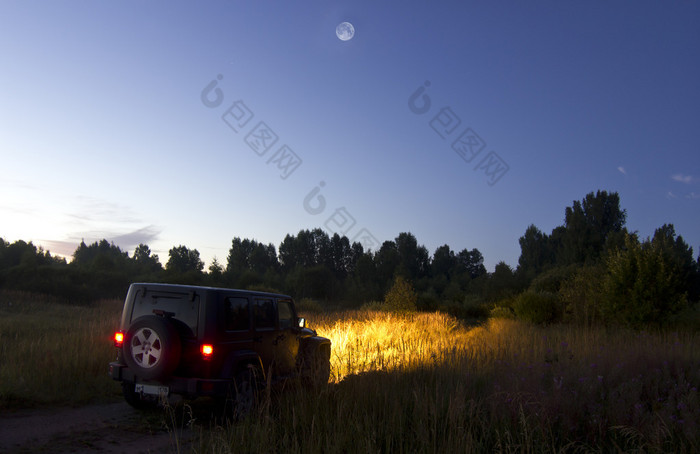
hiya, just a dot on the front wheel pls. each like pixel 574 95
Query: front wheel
pixel 315 367
pixel 321 372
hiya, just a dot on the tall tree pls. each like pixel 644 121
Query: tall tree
pixel 21 253
pixel 588 225
pixel 145 260
pixel 183 260
pixel 238 255
pixel 501 283
pixel 308 248
pixel 341 254
pixel 535 252
pixel 251 255
pixel 356 252
pixel 322 248
pixel 472 262
pixel 262 258
pixel 102 255
pixel 387 260
pixel 444 262
pixel 364 279
pixel 414 260
pixel 289 258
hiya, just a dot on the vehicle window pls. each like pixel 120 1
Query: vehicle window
pixel 237 314
pixel 183 307
pixel 286 314
pixel 264 315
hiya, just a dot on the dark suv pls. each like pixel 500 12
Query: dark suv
pixel 204 341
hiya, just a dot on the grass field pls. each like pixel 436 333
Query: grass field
pixel 426 383
pixel 53 353
pixel 405 383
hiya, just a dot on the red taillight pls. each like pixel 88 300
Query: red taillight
pixel 207 350
pixel 118 339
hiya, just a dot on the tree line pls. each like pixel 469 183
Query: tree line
pixel 593 270
pixel 588 270
pixel 310 264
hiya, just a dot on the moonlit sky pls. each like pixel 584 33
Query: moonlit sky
pixel 104 134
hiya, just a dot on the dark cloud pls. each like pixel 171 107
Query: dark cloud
pixel 130 240
pixel 125 241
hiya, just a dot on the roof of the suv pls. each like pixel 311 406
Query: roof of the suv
pixel 182 287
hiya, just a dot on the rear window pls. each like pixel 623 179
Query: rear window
pixel 183 307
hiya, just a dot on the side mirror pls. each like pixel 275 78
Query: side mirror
pixel 302 322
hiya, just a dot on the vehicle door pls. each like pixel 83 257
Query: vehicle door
pixel 265 331
pixel 237 333
pixel 287 339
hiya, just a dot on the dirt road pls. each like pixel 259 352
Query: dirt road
pixel 105 428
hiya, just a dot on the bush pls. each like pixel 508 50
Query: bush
pixel 646 282
pixel 428 301
pixel 688 319
pixel 401 297
pixel 373 306
pixel 470 307
pixel 552 279
pixel 537 307
pixel 309 305
pixel 581 295
pixel 502 312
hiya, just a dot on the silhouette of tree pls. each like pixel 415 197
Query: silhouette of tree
pixel 472 262
pixel 341 256
pixel 21 253
pixel 535 252
pixel 401 297
pixel 145 261
pixel 501 283
pixel 444 262
pixel 100 256
pixel 262 258
pixel 386 260
pixel 589 224
pixel 414 261
pixel 308 248
pixel 289 258
pixel 216 271
pixel 183 260
pixel 364 285
pixel 650 281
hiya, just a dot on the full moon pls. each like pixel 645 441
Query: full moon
pixel 345 31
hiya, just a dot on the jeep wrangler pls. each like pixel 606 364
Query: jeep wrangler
pixel 203 341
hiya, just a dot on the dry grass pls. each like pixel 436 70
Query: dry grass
pixel 405 383
pixel 427 383
pixel 53 353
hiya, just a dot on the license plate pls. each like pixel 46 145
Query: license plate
pixel 152 390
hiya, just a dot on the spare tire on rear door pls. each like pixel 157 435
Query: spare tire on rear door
pixel 152 347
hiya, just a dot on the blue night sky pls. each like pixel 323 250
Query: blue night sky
pixel 108 130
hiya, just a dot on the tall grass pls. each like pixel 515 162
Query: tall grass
pixel 404 383
pixel 54 353
pixel 427 383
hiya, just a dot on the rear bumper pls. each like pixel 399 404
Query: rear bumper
pixel 186 386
